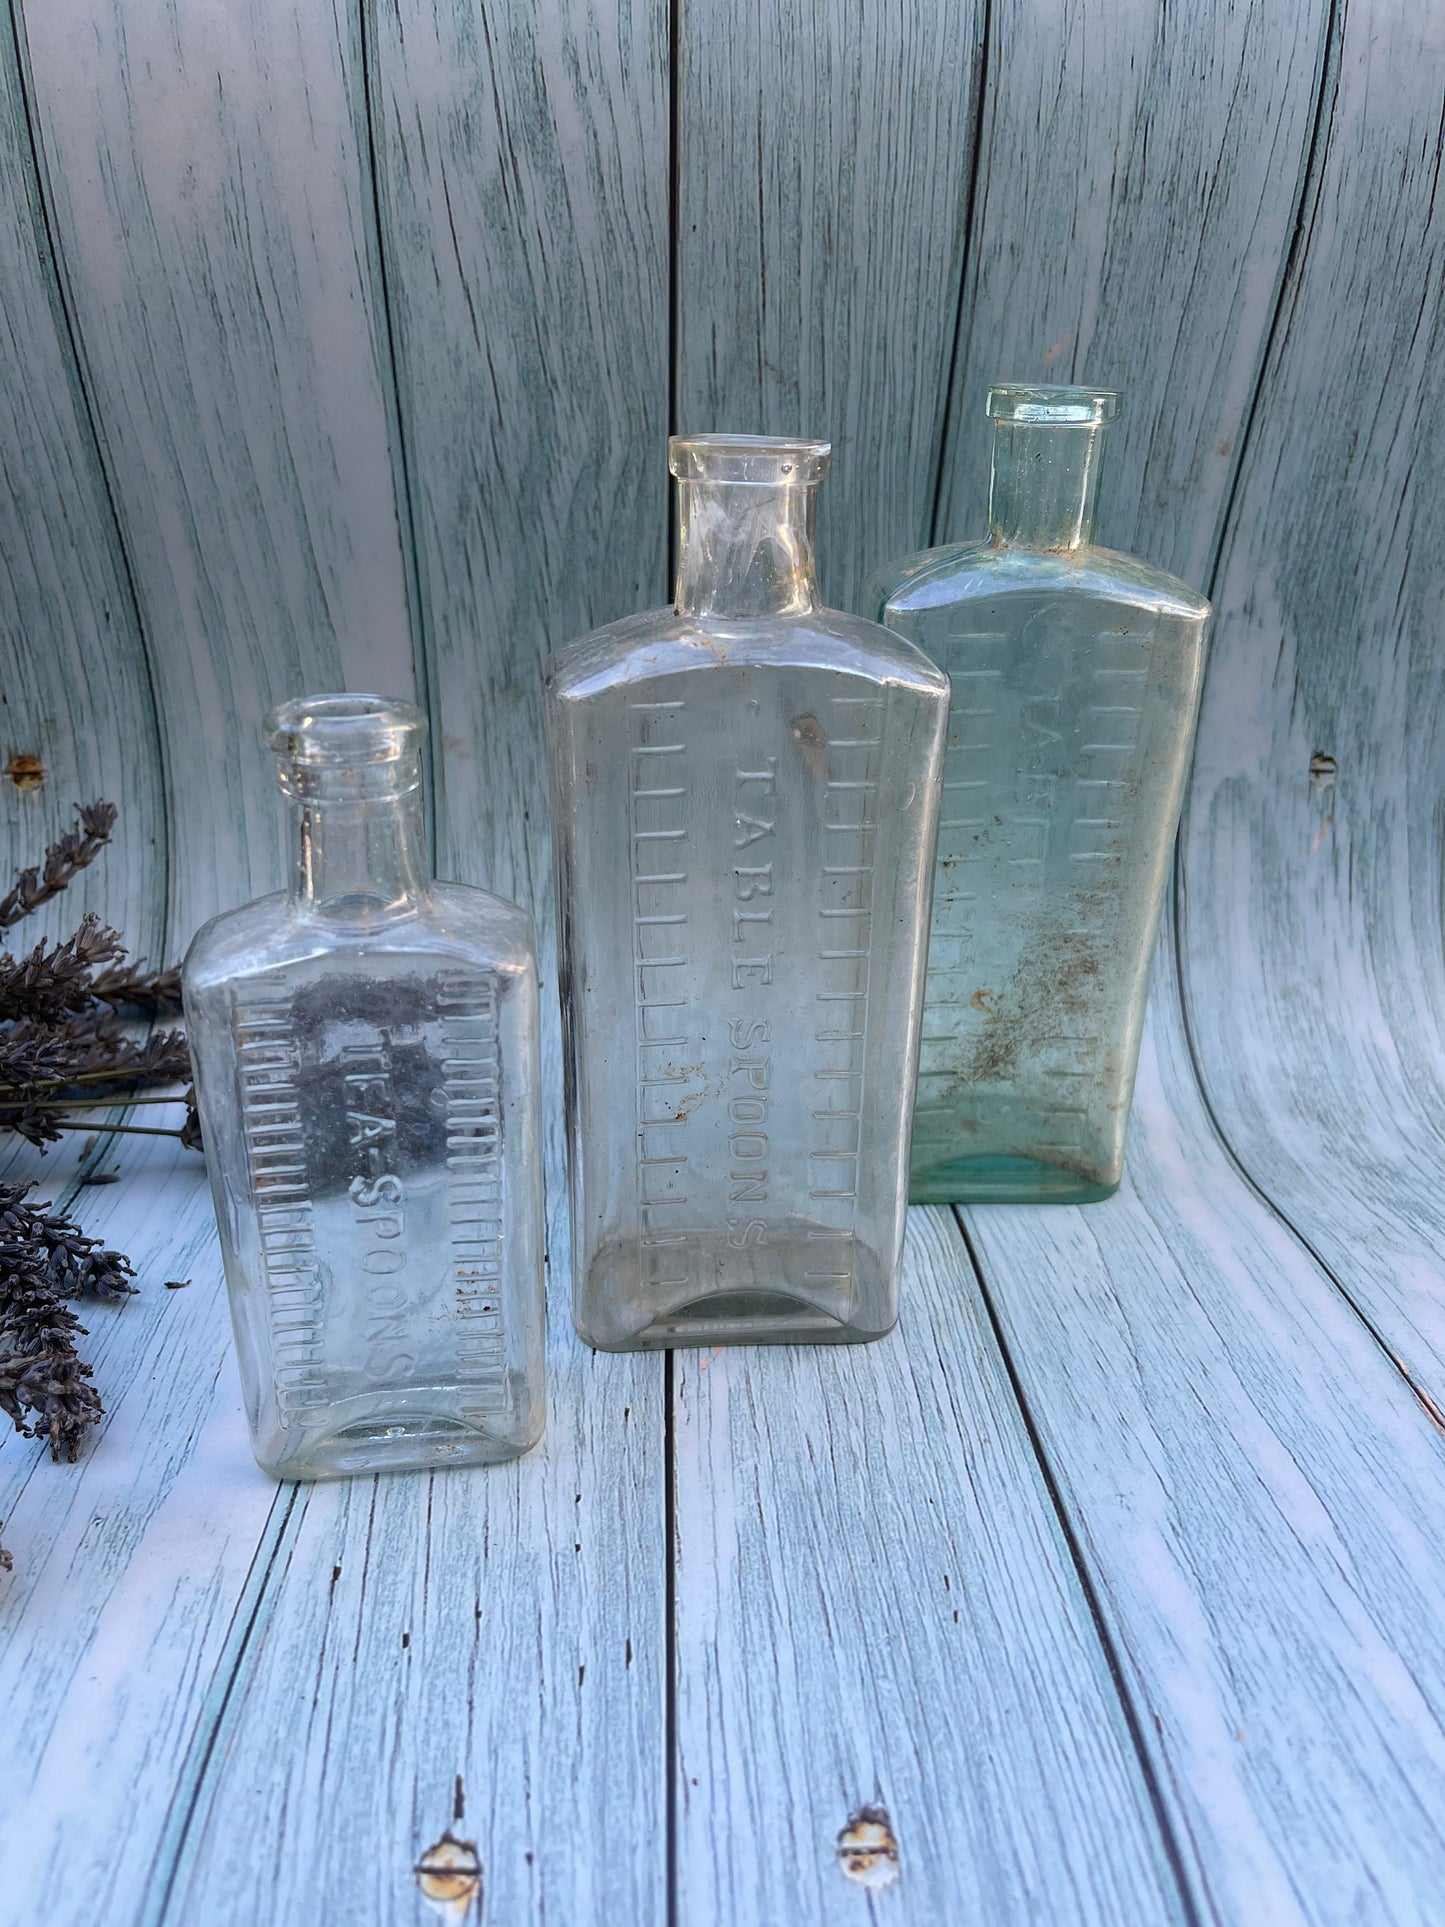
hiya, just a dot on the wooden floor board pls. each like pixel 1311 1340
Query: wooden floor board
pixel 522 163
pixel 875 1604
pixel 76 703
pixel 206 174
pixel 1257 1496
pixel 1310 852
pixel 478 1652
pixel 128 1564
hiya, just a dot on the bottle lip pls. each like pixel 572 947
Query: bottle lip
pixel 344 731
pixel 770 461
pixel 1052 406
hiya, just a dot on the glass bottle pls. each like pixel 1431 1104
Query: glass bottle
pixel 1076 675
pixel 745 792
pixel 365 1050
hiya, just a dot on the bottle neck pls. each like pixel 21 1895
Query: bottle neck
pixel 745 549
pixel 1045 480
pixel 358 857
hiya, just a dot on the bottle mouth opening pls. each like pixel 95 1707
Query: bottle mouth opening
pixel 344 731
pixel 767 460
pixel 1047 406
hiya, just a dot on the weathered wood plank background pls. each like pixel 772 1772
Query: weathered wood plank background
pixel 341 347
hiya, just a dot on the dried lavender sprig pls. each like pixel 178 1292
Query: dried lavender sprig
pixel 88 1050
pixel 54 980
pixel 45 1389
pixel 51 1125
pixel 74 1263
pixel 37 1112
pixel 91 1101
pixel 32 1053
pixel 74 851
pixel 157 993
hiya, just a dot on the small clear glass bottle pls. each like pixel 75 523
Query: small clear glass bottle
pixel 365 1050
pixel 745 792
pixel 1076 675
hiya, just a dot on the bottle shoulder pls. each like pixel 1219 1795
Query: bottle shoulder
pixel 959 571
pixel 456 923
pixel 662 643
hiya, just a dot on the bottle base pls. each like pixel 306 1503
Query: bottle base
pixel 415 1442
pixel 740 1302
pixel 984 1179
pixel 731 1321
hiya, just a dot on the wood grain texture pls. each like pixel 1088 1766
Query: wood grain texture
pixel 210 195
pixel 824 159
pixel 478 1651
pixel 251 1702
pixel 876 1605
pixel 1139 172
pixel 523 168
pixel 1189 1667
pixel 74 690
pixel 1312 844
pixel 130 1565
pixel 1257 1496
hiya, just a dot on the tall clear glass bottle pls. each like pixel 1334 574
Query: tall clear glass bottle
pixel 745 793
pixel 365 1049
pixel 1076 675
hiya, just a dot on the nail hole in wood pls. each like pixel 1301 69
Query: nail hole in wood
pixel 868 1848
pixel 26 772
pixel 450 1876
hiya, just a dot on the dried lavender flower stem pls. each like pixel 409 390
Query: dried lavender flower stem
pixel 63 860
pixel 121 1074
pixel 99 1103
pixel 45 1389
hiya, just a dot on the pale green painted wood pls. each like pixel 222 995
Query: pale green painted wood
pixel 1139 173
pixel 473 1653
pixel 227 1729
pixel 823 168
pixel 130 1566
pixel 1260 1502
pixel 1314 964
pixel 876 1605
pixel 210 195
pixel 522 170
pixel 523 167
pixel 74 689
pixel 780 1702
pixel 253 1702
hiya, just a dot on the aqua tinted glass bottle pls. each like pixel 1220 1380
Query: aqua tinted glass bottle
pixel 745 793
pixel 1076 675
pixel 365 1048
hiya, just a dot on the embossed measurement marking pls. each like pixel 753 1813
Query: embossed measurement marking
pixel 846 899
pixel 658 816
pixel 276 1157
pixel 1065 801
pixel 476 1176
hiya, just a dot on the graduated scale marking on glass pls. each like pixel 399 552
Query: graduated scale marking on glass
pixel 1075 674
pixel 367 1073
pixel 745 790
